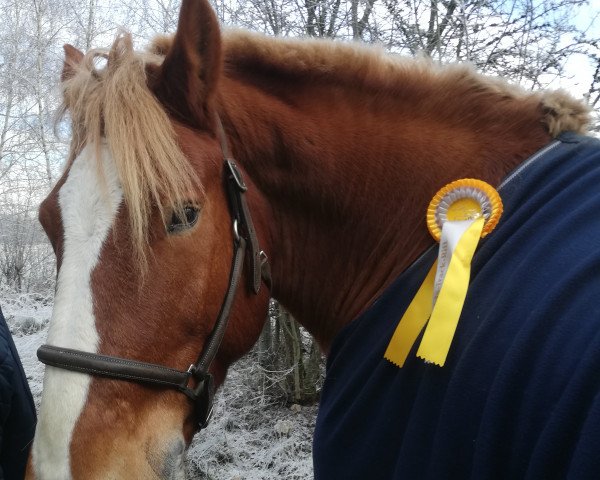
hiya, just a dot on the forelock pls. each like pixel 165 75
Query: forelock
pixel 109 100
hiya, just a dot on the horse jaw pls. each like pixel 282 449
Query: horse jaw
pixel 88 206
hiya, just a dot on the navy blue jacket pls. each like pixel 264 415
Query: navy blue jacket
pixel 519 396
pixel 17 410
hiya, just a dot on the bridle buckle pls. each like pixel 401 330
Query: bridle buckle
pixel 236 232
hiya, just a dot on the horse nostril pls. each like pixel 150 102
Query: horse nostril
pixel 173 466
pixel 167 461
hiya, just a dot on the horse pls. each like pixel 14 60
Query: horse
pixel 216 170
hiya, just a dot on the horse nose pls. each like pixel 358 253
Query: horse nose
pixel 170 464
pixel 174 468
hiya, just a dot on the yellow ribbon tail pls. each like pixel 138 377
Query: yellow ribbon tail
pixel 449 304
pixel 412 321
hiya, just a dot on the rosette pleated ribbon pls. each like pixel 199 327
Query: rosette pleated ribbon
pixel 460 214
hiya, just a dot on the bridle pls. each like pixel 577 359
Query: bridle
pixel 196 382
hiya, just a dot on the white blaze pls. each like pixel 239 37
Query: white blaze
pixel 88 206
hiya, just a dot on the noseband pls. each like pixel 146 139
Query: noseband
pixel 197 382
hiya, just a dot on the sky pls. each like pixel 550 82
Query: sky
pixel 579 68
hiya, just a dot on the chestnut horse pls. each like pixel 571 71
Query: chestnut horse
pixel 339 149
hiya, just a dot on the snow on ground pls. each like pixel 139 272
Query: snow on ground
pixel 251 437
pixel 27 316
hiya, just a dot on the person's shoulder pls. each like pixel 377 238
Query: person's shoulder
pixel 5 340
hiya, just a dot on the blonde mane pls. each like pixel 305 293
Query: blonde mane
pixel 368 67
pixel 113 104
pixel 371 67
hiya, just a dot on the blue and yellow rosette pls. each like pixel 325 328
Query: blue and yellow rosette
pixel 459 215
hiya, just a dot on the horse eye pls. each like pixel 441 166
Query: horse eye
pixel 184 220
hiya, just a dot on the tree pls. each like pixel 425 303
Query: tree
pixel 290 360
pixel 593 95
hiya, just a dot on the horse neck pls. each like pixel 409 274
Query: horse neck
pixel 345 178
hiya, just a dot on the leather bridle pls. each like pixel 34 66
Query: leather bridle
pixel 196 382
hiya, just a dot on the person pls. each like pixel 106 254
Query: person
pixel 17 409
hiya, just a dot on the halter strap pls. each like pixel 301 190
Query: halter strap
pixel 258 260
pixel 202 392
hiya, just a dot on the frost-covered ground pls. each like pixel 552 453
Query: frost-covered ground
pixel 249 438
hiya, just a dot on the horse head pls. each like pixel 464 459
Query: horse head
pixel 143 231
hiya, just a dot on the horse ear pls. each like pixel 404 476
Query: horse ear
pixel 73 58
pixel 186 81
